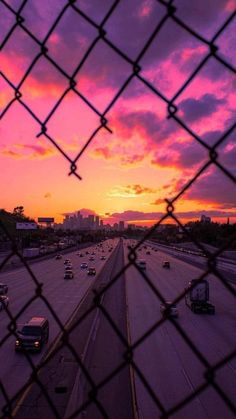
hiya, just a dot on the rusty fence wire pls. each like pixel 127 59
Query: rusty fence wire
pixel 213 53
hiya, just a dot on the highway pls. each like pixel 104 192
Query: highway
pixel 168 364
pixel 63 297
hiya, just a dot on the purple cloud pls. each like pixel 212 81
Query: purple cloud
pixel 194 109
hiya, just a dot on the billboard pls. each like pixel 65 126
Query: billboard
pixel 46 220
pixel 26 226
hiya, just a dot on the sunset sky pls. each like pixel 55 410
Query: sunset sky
pixel 129 171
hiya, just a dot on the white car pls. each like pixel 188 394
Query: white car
pixel 168 309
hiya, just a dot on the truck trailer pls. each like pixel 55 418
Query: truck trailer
pixel 197 297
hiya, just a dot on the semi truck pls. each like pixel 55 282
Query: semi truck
pixel 197 297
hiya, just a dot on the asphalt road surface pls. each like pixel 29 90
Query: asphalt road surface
pixel 166 361
pixel 63 297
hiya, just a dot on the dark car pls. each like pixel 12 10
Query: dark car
pixel 33 335
pixel 91 258
pixel 58 256
pixel 103 257
pixel 168 309
pixel 67 262
pixel 166 264
pixel 87 253
pixel 91 271
pixel 68 268
pixel 84 265
pixel 68 274
pixel 148 252
pixel 3 289
pixel 4 301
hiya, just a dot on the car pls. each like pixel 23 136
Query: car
pixel 67 261
pixel 58 256
pixel 103 258
pixel 93 253
pixel 148 252
pixel 166 264
pixel 84 265
pixel 3 289
pixel 4 301
pixel 142 263
pixel 91 271
pixel 33 335
pixel 81 255
pixel 87 253
pixel 168 309
pixel 68 275
pixel 91 258
pixel 68 268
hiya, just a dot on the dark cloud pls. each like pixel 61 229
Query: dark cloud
pixel 195 109
pixel 182 155
pixel 153 127
pixel 213 187
pixel 132 216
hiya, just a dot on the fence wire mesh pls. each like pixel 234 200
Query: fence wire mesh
pixel 170 16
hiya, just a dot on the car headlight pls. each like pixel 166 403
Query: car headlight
pixel 36 343
pixel 17 342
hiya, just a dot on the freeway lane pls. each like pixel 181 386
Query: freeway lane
pixel 167 362
pixel 225 266
pixel 63 296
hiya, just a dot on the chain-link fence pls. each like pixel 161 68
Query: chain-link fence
pixel 212 53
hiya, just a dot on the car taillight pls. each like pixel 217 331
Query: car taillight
pixel 36 343
pixel 17 342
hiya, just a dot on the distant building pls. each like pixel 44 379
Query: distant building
pixel 121 226
pixel 205 219
pixel 96 222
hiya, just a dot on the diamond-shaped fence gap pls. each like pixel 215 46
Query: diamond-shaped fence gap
pixel 22 142
pixel 70 40
pixel 171 58
pixel 17 55
pixel 69 124
pixel 131 24
pixel 43 88
pixel 46 15
pixel 102 75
